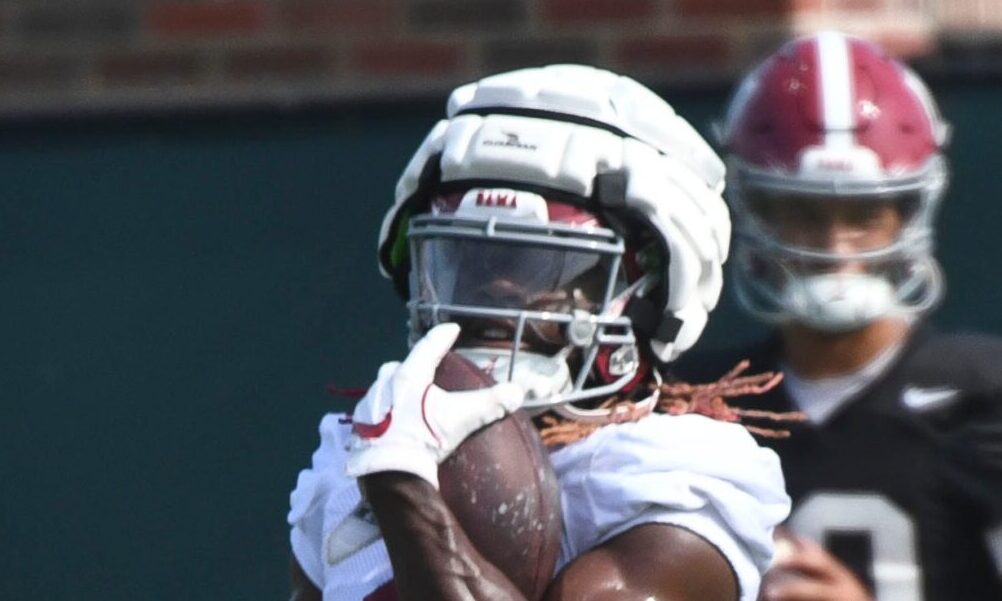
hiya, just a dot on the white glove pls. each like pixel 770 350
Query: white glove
pixel 405 423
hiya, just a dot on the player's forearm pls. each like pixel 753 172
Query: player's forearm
pixel 301 589
pixel 431 555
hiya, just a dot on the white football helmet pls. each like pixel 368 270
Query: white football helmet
pixel 570 221
pixel 828 128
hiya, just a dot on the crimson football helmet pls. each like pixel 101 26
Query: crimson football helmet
pixel 835 173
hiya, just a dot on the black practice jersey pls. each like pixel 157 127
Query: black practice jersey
pixel 904 482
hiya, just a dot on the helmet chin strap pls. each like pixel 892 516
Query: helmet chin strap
pixel 838 302
pixel 542 376
pixel 609 415
pixel 548 383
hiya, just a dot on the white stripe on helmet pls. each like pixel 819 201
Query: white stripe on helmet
pixel 837 91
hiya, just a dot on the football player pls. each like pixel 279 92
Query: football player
pixel 564 229
pixel 836 173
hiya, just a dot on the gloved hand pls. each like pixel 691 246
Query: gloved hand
pixel 405 423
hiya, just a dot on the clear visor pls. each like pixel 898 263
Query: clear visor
pixel 506 275
pixel 833 226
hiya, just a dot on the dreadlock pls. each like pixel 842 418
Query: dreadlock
pixel 679 398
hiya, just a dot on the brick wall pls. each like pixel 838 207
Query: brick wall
pixel 66 55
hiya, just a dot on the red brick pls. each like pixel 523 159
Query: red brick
pixel 132 68
pixel 331 14
pixel 598 10
pixel 505 54
pixel 207 18
pixel 406 58
pixel 467 15
pixel 736 8
pixel 699 51
pixel 279 63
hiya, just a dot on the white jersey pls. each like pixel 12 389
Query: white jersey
pixel 706 476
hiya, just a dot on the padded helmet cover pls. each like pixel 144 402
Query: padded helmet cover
pixel 560 130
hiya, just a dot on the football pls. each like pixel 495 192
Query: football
pixel 500 485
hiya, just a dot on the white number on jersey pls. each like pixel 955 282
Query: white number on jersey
pixel 896 572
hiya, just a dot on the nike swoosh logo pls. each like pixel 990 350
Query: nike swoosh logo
pixel 927 398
